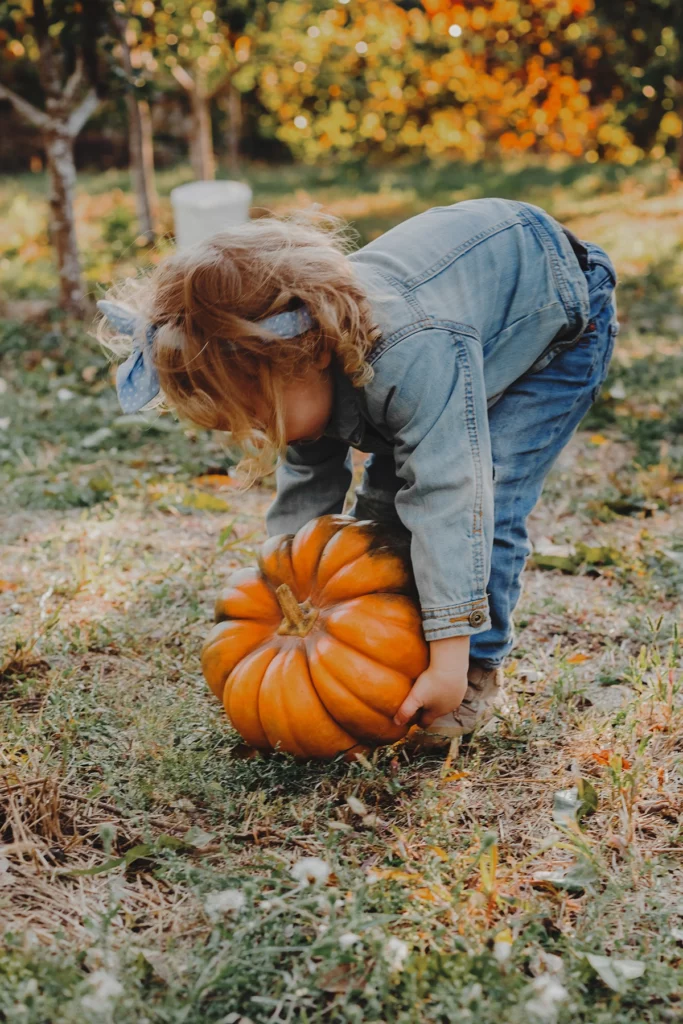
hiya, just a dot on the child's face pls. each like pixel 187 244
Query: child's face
pixel 308 404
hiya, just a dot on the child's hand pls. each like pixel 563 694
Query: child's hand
pixel 442 686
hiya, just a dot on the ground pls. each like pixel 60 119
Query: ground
pixel 148 871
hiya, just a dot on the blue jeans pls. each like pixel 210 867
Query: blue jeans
pixel 530 425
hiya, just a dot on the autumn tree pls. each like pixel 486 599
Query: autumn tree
pixel 458 79
pixel 642 58
pixel 58 39
pixel 203 44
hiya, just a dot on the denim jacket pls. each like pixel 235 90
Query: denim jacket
pixel 468 297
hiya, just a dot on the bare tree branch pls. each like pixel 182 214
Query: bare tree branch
pixel 82 113
pixel 74 81
pixel 183 78
pixel 26 109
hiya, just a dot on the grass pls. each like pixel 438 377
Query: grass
pixel 146 864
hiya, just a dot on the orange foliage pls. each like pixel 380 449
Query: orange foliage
pixel 452 79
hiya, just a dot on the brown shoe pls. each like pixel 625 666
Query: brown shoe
pixel 485 693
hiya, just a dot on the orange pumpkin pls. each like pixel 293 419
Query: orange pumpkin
pixel 314 652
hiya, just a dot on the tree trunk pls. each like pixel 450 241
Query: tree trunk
pixel 140 146
pixel 234 128
pixel 201 143
pixel 59 124
pixel 59 149
pixel 142 164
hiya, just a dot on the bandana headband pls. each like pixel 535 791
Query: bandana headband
pixel 137 381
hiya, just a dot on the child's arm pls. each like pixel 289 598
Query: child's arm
pixel 429 393
pixel 312 480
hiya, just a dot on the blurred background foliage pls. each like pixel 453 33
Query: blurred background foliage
pixel 351 86
pixel 378 78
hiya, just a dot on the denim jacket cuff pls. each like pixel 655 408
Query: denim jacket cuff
pixel 457 619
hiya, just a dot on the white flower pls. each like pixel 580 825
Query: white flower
pixel 348 939
pixel 356 805
pixel 395 953
pixel 105 989
pixel 310 870
pixel 549 994
pixel 217 904
pixel 502 946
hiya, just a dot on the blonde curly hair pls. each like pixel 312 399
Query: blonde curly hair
pixel 212 356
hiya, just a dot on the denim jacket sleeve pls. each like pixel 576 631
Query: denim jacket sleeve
pixel 429 392
pixel 312 480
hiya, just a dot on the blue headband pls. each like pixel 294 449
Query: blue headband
pixel 137 381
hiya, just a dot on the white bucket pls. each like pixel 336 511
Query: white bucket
pixel 203 208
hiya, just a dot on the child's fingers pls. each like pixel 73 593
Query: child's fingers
pixel 427 717
pixel 410 706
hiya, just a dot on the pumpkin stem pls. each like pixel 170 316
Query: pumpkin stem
pixel 298 619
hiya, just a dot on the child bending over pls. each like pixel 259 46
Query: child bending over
pixel 461 349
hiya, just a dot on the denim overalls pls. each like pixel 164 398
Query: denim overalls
pixel 498 326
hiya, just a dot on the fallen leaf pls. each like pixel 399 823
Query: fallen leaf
pixel 571 805
pixel 613 972
pixel 598 439
pixel 392 875
pixel 339 980
pixel 161 965
pixel 423 894
pixel 576 878
pixel 215 481
pixel 7 585
pixel 576 659
pixel 198 838
pixel 205 502
pixel 556 556
pixel 608 757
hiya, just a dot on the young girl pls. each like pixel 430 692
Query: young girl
pixel 461 349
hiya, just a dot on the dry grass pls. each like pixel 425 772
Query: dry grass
pixel 126 803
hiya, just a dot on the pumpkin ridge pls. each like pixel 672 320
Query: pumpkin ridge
pixel 287 740
pixel 361 700
pixel 312 586
pixel 303 740
pixel 360 655
pixel 365 654
pixel 352 567
pixel 236 680
pixel 384 727
pixel 359 534
pixel 398 645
